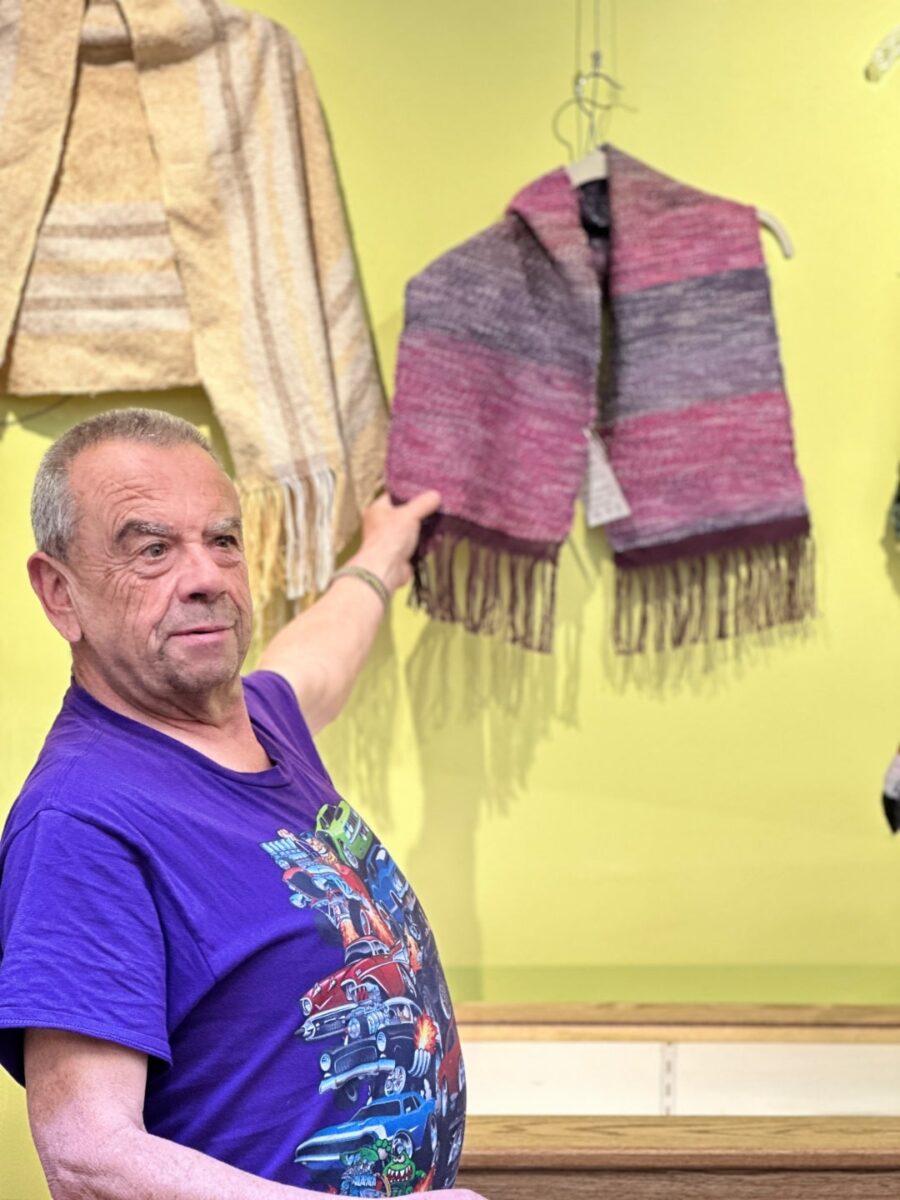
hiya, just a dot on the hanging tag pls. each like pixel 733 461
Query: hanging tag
pixel 600 492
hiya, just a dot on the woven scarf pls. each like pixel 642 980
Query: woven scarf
pixel 501 381
pixel 171 216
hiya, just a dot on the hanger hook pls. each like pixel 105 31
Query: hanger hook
pixel 557 133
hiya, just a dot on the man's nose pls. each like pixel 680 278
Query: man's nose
pixel 200 577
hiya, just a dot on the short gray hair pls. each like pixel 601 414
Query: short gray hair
pixel 53 512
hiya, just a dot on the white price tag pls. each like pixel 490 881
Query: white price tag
pixel 600 492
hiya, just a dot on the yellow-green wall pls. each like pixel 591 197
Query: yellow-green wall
pixel 696 827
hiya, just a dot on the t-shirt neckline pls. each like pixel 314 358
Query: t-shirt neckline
pixel 275 776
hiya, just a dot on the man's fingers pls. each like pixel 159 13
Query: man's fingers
pixel 424 504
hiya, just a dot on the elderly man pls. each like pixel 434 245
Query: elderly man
pixel 214 979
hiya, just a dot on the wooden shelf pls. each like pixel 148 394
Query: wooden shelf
pixel 695 1143
pixel 645 1158
pixel 678 1022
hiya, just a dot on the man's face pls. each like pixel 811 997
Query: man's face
pixel 159 577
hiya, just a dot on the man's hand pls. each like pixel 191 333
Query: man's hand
pixel 321 652
pixel 389 536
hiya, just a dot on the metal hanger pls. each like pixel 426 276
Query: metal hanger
pixel 585 97
pixel 592 165
pixel 592 108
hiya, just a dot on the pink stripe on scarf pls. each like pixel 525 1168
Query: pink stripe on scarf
pixel 664 232
pixel 530 417
pixel 714 465
pixel 672 245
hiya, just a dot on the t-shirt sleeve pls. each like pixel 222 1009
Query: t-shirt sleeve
pixel 81 947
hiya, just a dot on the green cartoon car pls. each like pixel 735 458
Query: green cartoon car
pixel 347 831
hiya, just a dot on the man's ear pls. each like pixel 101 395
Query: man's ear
pixel 54 590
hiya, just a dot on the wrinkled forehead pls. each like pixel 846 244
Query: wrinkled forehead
pixel 181 486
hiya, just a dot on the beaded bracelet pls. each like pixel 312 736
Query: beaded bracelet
pixel 366 576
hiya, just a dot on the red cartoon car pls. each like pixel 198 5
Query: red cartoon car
pixel 328 1004
pixel 451 1074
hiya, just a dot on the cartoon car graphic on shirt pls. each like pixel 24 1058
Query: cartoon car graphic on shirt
pixel 347 831
pixel 318 879
pixel 451 1074
pixel 390 888
pixel 328 1004
pixel 388 1043
pixel 457 1131
pixel 385 1168
pixel 326 893
pixel 288 850
pixel 407 1116
pixel 383 1021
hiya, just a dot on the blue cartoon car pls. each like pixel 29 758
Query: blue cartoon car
pixel 407 1116
pixel 390 888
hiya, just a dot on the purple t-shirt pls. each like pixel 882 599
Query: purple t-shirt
pixel 248 932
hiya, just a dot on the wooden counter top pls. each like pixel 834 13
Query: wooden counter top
pixel 695 1143
pixel 682 1158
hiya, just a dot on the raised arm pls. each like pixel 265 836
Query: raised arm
pixel 322 651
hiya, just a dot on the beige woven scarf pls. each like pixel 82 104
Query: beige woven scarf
pixel 171 215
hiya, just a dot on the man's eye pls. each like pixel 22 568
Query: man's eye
pixel 226 540
pixel 154 550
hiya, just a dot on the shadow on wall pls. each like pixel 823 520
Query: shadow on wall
pixel 51 416
pixel 481 709
pixel 356 749
pixel 490 701
pixel 702 669
pixel 38 413
pixel 891 546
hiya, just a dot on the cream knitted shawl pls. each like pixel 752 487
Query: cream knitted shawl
pixel 171 215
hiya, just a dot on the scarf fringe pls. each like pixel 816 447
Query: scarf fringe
pixel 288 536
pixel 488 590
pixel 714 597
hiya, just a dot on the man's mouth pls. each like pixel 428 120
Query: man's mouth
pixel 201 631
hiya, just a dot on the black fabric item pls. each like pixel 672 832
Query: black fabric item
pixel 892 812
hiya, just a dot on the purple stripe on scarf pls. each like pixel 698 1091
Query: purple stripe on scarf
pixel 442 525
pixel 475 294
pixel 731 538
pixel 684 343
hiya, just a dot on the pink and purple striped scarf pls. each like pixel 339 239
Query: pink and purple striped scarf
pixel 501 379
